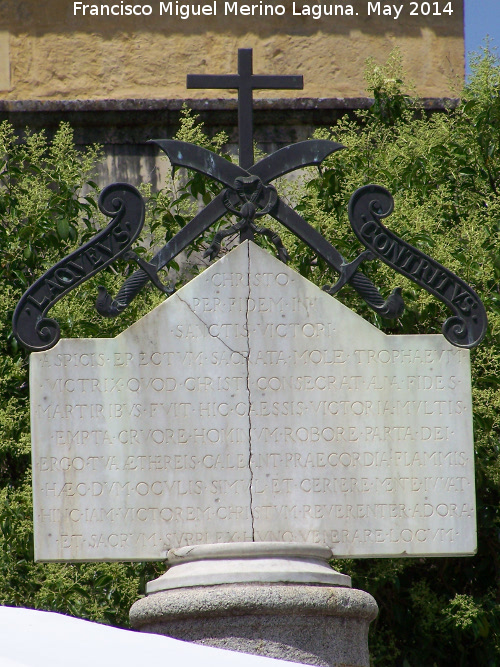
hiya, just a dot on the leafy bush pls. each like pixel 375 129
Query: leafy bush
pixel 444 174
pixel 48 208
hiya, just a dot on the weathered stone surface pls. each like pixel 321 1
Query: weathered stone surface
pixel 313 625
pixel 56 54
pixel 252 406
pixel 248 562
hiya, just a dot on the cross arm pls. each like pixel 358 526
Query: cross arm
pixel 213 81
pixel 285 81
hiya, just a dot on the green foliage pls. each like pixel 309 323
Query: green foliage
pixel 48 208
pixel 183 193
pixel 444 173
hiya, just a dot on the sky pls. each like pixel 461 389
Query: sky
pixel 482 17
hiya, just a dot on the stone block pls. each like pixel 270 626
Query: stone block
pixel 251 406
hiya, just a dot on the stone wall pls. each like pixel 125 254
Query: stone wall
pixel 49 53
pixel 123 127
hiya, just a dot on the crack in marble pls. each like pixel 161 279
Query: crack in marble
pixel 247 362
pixel 242 354
pixel 249 402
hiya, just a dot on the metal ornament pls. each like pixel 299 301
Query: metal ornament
pixel 245 82
pixel 248 199
pixel 248 187
pixel 248 195
pixel 468 325
pixel 31 326
pixel 281 162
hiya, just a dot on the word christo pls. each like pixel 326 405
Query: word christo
pixel 261 8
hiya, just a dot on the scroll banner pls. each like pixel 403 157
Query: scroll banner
pixel 31 326
pixel 468 325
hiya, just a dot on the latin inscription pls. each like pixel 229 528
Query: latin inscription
pixel 252 406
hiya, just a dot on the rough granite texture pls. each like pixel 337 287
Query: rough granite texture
pixel 314 625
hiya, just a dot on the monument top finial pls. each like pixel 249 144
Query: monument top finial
pixel 245 82
pixel 248 195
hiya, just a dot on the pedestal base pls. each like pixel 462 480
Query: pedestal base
pixel 312 622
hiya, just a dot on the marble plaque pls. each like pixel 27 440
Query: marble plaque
pixel 252 406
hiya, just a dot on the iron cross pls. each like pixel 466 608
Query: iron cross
pixel 248 194
pixel 245 82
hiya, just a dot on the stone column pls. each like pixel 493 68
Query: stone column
pixel 273 599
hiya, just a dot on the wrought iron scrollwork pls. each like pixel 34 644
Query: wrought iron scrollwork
pixel 248 195
pixel 31 326
pixel 248 199
pixel 281 162
pixel 371 203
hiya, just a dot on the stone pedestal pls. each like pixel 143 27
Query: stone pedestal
pixel 277 600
